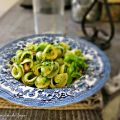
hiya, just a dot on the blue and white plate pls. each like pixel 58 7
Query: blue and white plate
pixel 94 79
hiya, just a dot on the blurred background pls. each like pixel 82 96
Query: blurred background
pixel 19 18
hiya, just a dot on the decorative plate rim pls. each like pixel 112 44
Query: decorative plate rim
pixel 21 101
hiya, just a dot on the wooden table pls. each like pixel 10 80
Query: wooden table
pixel 17 23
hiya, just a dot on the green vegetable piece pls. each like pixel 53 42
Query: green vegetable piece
pixel 41 46
pixel 80 61
pixel 63 68
pixel 76 75
pixel 69 81
pixel 29 79
pixel 73 58
pixel 70 58
pixel 42 82
pixel 17 71
pixel 70 70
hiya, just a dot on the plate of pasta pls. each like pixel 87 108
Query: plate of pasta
pixel 50 70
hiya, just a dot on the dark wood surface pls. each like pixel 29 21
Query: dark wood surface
pixel 19 114
pixel 18 23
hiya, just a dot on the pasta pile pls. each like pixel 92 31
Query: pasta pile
pixel 47 65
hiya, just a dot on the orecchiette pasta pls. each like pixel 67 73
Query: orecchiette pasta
pixel 46 65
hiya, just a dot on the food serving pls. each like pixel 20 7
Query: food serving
pixel 48 65
pixel 50 70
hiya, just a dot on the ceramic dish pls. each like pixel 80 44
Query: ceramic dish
pixel 94 79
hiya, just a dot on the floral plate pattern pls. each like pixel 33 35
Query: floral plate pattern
pixel 94 79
